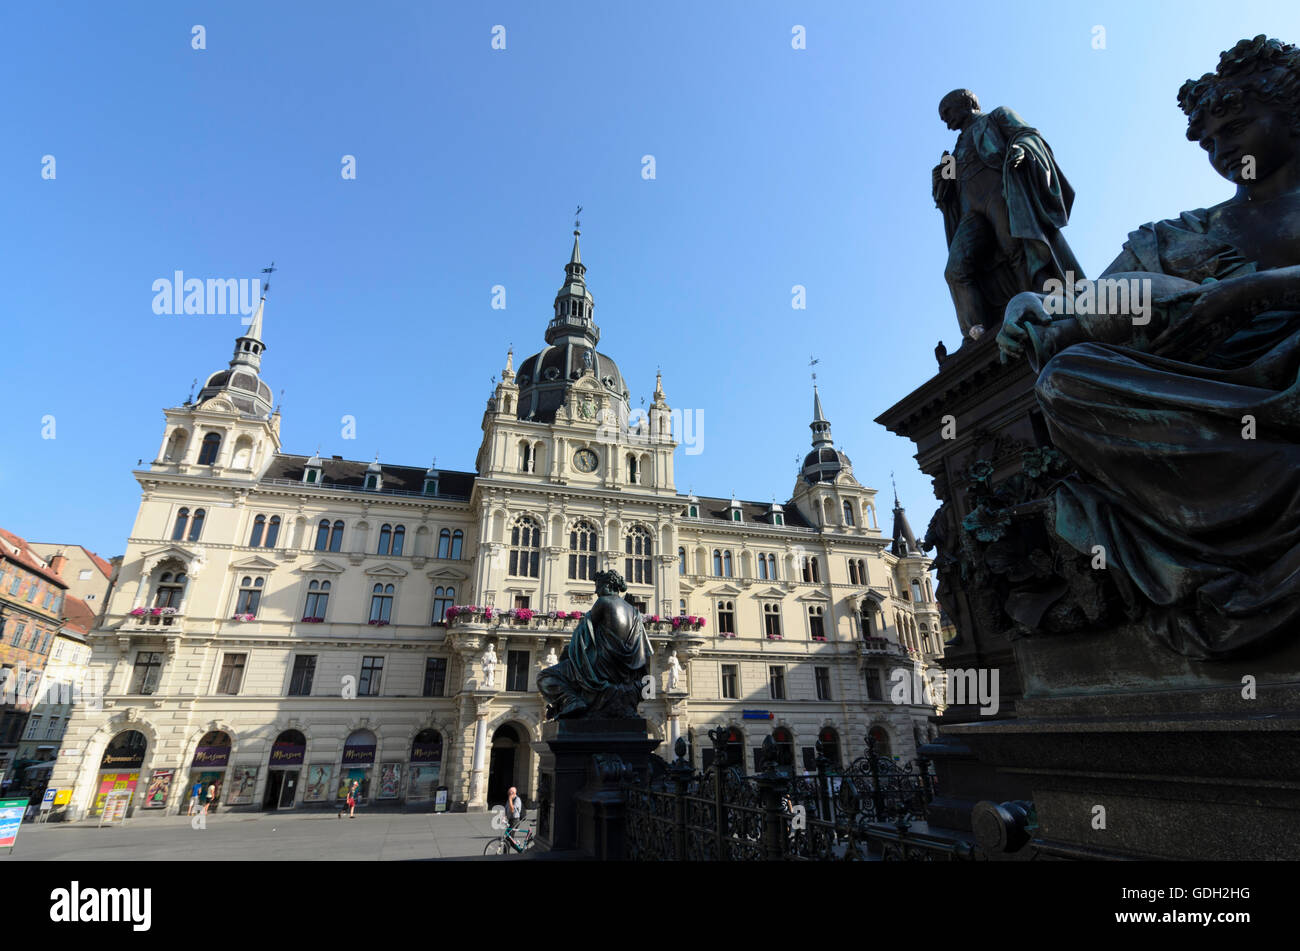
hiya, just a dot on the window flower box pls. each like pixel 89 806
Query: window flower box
pixel 775 637
pixel 245 617
pixel 726 634
pixel 312 620
pixel 819 637
pixel 375 622
pixel 139 612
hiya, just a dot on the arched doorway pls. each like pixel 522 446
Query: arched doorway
pixel 784 741
pixel 358 761
pixel 830 741
pixel 208 767
pixel 119 767
pixel 881 739
pixel 508 765
pixel 426 767
pixel 733 750
pixel 288 753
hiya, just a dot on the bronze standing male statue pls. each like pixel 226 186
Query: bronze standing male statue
pixel 601 668
pixel 1004 203
pixel 1185 424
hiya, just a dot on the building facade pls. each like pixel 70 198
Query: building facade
pixel 282 624
pixel 31 604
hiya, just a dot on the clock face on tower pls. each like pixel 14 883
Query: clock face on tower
pixel 584 460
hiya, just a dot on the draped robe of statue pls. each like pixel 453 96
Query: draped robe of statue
pixel 1200 526
pixel 1038 200
pixel 601 667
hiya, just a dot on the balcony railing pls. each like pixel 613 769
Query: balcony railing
pixel 151 620
pixel 442 496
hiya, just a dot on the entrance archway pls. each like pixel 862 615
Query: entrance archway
pixel 283 770
pixel 119 767
pixel 784 750
pixel 208 767
pixel 426 766
pixel 507 765
pixel 881 739
pixel 830 741
pixel 358 762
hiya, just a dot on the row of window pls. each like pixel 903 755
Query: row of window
pixel 35 639
pixel 329 535
pixel 52 599
pixel 53 729
pixel 584 543
pixel 776 682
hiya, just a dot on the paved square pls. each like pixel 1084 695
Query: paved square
pixel 312 836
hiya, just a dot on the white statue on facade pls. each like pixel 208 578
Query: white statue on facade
pixel 674 672
pixel 551 660
pixel 489 662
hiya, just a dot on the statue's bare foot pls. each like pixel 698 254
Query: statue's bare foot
pixel 976 332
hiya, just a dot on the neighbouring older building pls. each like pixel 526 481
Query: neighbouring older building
pixel 87 576
pixel 31 602
pixel 284 624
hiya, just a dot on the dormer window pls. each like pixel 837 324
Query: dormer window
pixel 778 518
pixel 431 486
pixel 735 515
pixel 693 511
pixel 310 476
pixel 372 481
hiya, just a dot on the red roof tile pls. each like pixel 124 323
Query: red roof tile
pixel 27 558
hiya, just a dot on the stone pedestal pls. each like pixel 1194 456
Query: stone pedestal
pixel 580 807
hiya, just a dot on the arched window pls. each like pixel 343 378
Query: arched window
pixel 881 741
pixel 582 551
pixel 399 539
pixel 443 598
pixel 784 750
pixel 771 568
pixel 525 457
pixel 929 592
pixel 171 589
pixel 830 745
pixel 817 622
pixel 196 525
pixel 811 571
pixel 762 568
pixel 381 602
pixel 457 537
pixel 726 564
pixel 848 514
pixel 717 563
pixel 525 547
pixel 250 595
pixel 182 521
pixel 385 539
pixel 681 561
pixel 259 527
pixel 273 531
pixel 916 590
pixel 336 536
pixel 727 617
pixel 208 451
pixel 733 750
pixel 632 470
pixel 318 596
pixel 444 543
pixel 639 549
pixel 772 619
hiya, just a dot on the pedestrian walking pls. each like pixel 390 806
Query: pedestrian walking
pixel 354 793
pixel 514 808
pixel 209 795
pixel 196 793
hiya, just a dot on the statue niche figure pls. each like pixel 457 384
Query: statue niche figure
pixel 602 667
pixel 1004 203
pixel 1184 424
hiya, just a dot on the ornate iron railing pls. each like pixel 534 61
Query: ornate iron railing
pixel 863 812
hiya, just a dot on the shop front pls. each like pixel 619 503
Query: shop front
pixel 119 768
pixel 284 770
pixel 209 765
pixel 426 767
pixel 358 763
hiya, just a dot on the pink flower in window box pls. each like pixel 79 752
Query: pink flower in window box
pixel 139 612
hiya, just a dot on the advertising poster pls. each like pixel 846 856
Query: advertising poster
pixel 110 782
pixel 424 780
pixel 440 803
pixel 318 783
pixel 115 803
pixel 243 780
pixel 348 775
pixel 390 780
pixel 11 820
pixel 160 785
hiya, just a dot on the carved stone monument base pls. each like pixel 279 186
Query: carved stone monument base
pixel 1128 752
pixel 580 807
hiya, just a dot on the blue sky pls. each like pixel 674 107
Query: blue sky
pixel 774 167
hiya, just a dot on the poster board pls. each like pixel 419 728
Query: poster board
pixel 390 781
pixel 11 820
pixel 440 800
pixel 160 785
pixel 319 778
pixel 115 803
pixel 243 780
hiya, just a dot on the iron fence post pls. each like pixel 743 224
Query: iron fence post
pixel 680 773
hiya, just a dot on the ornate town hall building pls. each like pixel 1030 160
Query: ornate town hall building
pixel 283 624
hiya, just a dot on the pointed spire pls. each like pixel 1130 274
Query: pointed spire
pixel 255 327
pixel 508 374
pixel 659 387
pixel 576 256
pixel 820 425
pixel 904 539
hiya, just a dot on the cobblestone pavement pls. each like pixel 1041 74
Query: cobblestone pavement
pixel 267 836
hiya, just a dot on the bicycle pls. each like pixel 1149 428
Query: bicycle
pixel 510 841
